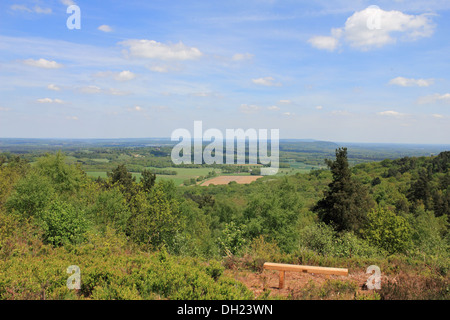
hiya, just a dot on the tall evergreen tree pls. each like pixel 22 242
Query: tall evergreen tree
pixel 346 202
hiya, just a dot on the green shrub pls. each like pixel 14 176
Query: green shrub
pixel 388 231
pixel 232 239
pixel 62 224
pixel 318 237
pixel 31 195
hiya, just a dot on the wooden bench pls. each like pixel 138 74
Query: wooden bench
pixel 282 268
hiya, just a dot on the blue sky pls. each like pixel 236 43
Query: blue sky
pixel 346 71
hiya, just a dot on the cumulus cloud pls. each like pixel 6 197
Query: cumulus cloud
pixel 90 89
pixel 125 75
pixel 159 68
pixel 105 28
pixel 324 42
pixel 74 118
pixel 266 81
pixel 405 82
pixel 156 50
pixel 49 100
pixel 42 63
pixel 273 108
pixel 53 87
pixel 374 28
pixel 391 113
pixel 437 97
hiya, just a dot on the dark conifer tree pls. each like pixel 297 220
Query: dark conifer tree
pixel 346 201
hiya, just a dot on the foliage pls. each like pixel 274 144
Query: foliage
pixel 64 177
pixel 150 239
pixel 232 240
pixel 346 202
pixel 111 273
pixel 109 208
pixel 159 221
pixel 387 230
pixel 31 195
pixel 62 224
pixel 430 232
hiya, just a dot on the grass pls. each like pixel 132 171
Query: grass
pixel 298 167
pixel 182 174
pixel 188 173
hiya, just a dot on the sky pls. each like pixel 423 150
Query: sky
pixel 344 71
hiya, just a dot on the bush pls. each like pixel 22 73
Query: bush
pixel 232 239
pixel 111 271
pixel 62 224
pixel 388 231
pixel 429 232
pixel 31 195
pixel 318 237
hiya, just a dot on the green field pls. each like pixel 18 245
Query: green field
pixel 298 167
pixel 182 174
pixel 188 173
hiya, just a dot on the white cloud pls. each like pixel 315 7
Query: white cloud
pixel 125 75
pixel 35 9
pixel 20 7
pixel 90 89
pixel 43 63
pixel 324 42
pixel 266 81
pixel 74 118
pixel 67 2
pixel 273 108
pixel 434 98
pixel 249 109
pixel 2 109
pixel 49 100
pixel 53 87
pixel 288 114
pixel 242 56
pixel 391 113
pixel 38 9
pixel 105 28
pixel 155 50
pixel 136 108
pixel 438 116
pixel 159 68
pixel 374 28
pixel 319 107
pixel 405 82
pixel 98 90
pixel 286 101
